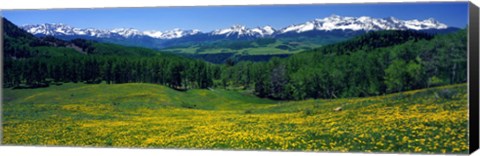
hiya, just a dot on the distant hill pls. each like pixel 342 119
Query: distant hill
pixel 20 44
pixel 313 33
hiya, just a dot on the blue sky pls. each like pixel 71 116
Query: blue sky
pixel 215 17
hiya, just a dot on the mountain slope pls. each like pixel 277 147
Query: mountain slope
pixel 66 30
pixel 20 44
pixel 365 23
pixel 330 23
pixel 377 39
pixel 336 27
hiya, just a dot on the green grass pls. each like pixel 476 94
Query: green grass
pixel 134 95
pixel 430 120
pixel 256 50
pixel 295 44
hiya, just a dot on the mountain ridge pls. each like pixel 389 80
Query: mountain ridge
pixel 331 23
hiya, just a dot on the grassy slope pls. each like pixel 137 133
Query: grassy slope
pixel 147 115
pixel 257 50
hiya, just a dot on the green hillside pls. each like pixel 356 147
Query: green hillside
pixel 386 91
pixel 131 93
pixel 256 50
pixel 146 115
pixel 275 46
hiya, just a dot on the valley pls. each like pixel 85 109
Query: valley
pixel 242 40
pixel 349 84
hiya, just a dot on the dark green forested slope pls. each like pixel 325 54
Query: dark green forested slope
pixel 373 40
pixel 35 62
pixel 358 68
pixel 372 64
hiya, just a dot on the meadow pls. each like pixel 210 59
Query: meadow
pixel 270 49
pixel 141 115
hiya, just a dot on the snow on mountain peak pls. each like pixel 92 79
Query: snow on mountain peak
pixel 333 17
pixel 195 31
pixel 241 31
pixel 268 30
pixel 330 23
pixel 48 28
pixel 425 24
pixel 153 33
pixel 126 32
pixel 335 22
pixel 171 34
pixel 62 29
pixel 238 27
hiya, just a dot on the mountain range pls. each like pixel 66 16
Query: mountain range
pixel 334 24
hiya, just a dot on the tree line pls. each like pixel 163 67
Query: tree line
pixel 373 64
pixel 177 73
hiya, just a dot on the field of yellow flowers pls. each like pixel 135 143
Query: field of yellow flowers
pixel 152 116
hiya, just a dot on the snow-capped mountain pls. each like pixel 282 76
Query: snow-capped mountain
pixel 171 34
pixel 364 23
pixel 66 30
pixel 61 29
pixel 333 22
pixel 126 32
pixel 334 25
pixel 242 31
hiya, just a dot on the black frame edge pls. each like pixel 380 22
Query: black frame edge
pixel 473 77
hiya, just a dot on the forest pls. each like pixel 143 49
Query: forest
pixel 376 63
